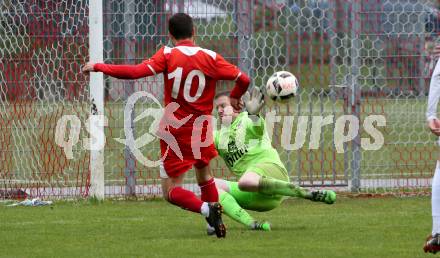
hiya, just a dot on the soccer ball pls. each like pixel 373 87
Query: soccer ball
pixel 282 86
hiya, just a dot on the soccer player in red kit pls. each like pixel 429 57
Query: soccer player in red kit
pixel 190 76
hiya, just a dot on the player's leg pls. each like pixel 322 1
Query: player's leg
pixel 432 244
pixel 206 183
pixel 175 194
pixel 209 195
pixel 435 201
pixel 222 184
pixel 172 170
pixel 254 201
pixel 253 182
pixel 271 179
pixel 233 210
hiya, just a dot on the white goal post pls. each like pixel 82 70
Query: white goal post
pixel 96 124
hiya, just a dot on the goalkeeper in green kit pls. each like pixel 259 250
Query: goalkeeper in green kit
pixel 245 146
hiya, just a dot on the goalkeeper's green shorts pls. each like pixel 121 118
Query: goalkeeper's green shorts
pixel 257 201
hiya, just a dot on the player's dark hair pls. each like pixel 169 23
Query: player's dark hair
pixel 181 26
pixel 222 93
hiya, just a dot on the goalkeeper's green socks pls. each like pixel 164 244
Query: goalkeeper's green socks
pixel 234 211
pixel 272 186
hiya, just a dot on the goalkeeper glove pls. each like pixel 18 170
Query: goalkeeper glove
pixel 253 102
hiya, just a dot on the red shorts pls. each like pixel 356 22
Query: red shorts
pixel 194 149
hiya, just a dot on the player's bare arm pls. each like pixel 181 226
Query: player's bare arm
pixel 434 126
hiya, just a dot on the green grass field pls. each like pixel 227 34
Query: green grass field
pixel 353 227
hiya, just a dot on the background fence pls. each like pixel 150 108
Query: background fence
pixel 357 57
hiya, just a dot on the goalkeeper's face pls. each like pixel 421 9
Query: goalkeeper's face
pixel 224 109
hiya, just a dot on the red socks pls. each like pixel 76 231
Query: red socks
pixel 188 200
pixel 185 199
pixel 209 191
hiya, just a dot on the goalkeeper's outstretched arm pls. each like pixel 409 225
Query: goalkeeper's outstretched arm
pixel 254 102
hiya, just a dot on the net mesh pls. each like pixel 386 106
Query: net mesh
pixel 358 58
pixel 42 46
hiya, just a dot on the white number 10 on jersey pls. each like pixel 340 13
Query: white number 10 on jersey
pixel 177 75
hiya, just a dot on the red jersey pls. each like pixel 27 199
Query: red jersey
pixel 190 76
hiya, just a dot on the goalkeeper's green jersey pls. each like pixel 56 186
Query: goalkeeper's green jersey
pixel 245 143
